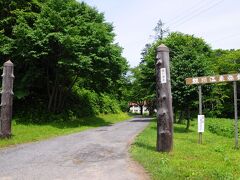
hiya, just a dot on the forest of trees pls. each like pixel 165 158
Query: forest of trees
pixel 64 56
pixel 190 57
pixel 66 62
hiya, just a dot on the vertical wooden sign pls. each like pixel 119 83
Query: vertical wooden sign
pixel 235 113
pixel 164 101
pixel 6 100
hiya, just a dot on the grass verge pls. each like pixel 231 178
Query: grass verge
pixel 28 132
pixel 216 158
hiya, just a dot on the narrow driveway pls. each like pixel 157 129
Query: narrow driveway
pixel 98 154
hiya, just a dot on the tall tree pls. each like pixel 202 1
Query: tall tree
pixel 66 42
pixel 160 30
pixel 8 19
pixel 189 58
pixel 136 94
pixel 219 100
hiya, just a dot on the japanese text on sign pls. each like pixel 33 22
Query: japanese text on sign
pixel 163 75
pixel 213 79
pixel 200 123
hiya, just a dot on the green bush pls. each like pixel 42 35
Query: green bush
pixel 108 104
pixel 82 103
pixel 221 127
pixel 88 103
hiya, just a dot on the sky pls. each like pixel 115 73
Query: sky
pixel 216 21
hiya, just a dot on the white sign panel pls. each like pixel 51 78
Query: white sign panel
pixel 163 75
pixel 201 123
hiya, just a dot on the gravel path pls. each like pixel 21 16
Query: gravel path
pixel 99 154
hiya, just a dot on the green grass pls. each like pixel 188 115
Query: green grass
pixel 27 132
pixel 216 158
pixel 222 127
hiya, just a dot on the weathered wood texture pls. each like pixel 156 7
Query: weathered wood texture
pixel 6 100
pixel 164 101
pixel 217 79
pixel 200 110
pixel 213 79
pixel 235 114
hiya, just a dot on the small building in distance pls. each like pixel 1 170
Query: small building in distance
pixel 136 108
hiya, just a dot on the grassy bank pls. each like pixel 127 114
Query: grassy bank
pixel 216 158
pixel 23 133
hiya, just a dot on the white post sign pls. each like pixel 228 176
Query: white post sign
pixel 201 123
pixel 163 75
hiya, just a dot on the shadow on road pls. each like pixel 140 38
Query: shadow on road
pixel 142 120
pixel 62 123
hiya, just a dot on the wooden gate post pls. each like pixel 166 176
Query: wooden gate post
pixel 164 101
pixel 235 113
pixel 6 100
pixel 200 111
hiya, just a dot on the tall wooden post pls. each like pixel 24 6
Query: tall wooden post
pixel 200 110
pixel 235 113
pixel 164 101
pixel 6 100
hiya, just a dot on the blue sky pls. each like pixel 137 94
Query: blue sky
pixel 217 21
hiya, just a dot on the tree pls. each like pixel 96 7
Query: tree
pixel 65 42
pixel 189 58
pixel 146 81
pixel 219 100
pixel 226 61
pixel 137 93
pixel 8 19
pixel 160 30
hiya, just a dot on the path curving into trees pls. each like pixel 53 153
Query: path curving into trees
pixel 100 153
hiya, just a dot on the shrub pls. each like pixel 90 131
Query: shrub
pixel 89 103
pixel 82 103
pixel 221 127
pixel 108 104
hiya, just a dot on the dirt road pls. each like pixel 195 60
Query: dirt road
pixel 98 154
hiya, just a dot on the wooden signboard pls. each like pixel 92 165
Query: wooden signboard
pixel 213 79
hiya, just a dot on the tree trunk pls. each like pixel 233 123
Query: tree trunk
pixel 174 115
pixel 60 100
pixel 55 101
pixel 51 97
pixel 188 118
pixel 164 101
pixel 141 109
pixel 53 94
pixel 151 107
pixel 6 100
pixel 64 93
pixel 180 119
pixel 151 110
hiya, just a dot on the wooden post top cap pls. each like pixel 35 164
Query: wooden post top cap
pixel 8 63
pixel 162 47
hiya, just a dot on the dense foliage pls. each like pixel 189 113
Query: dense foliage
pixel 219 101
pixel 190 57
pixel 56 47
pixel 221 127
